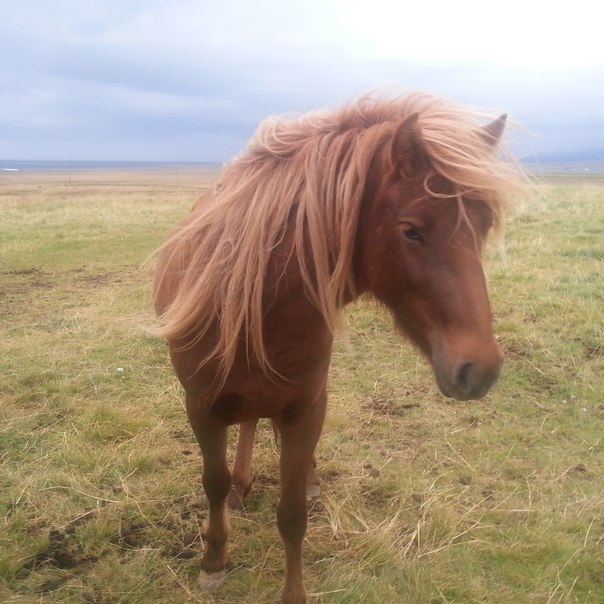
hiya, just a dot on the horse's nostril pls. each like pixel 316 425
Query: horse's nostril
pixel 464 378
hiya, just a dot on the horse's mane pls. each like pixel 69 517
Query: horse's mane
pixel 309 173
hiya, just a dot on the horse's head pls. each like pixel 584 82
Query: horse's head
pixel 421 256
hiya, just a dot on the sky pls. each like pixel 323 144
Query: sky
pixel 189 80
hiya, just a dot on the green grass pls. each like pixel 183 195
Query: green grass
pixel 424 500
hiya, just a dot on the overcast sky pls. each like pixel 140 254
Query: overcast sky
pixel 189 80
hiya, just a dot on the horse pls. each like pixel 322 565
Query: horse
pixel 392 197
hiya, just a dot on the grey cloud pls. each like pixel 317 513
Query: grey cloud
pixel 190 81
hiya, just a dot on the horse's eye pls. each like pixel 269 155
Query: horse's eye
pixel 413 235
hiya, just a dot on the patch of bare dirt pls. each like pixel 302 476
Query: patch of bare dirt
pixel 385 405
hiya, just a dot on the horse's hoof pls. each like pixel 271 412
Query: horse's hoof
pixel 211 580
pixel 313 491
pixel 234 502
pixel 235 498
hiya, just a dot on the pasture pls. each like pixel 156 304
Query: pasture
pixel 424 500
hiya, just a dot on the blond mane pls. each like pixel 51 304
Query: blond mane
pixel 310 172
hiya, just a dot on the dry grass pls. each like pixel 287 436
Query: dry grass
pixel 424 500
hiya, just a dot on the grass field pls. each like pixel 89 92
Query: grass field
pixel 424 500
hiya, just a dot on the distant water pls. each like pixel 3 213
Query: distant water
pixel 566 168
pixel 585 162
pixel 69 166
pixel 547 167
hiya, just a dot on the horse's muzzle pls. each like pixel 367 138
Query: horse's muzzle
pixel 466 378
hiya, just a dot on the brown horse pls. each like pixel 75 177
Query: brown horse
pixel 390 197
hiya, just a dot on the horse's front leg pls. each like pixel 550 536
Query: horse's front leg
pixel 216 479
pixel 242 469
pixel 300 431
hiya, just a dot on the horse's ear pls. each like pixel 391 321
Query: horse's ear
pixel 492 133
pixel 405 151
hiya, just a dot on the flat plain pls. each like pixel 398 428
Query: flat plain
pixel 424 500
